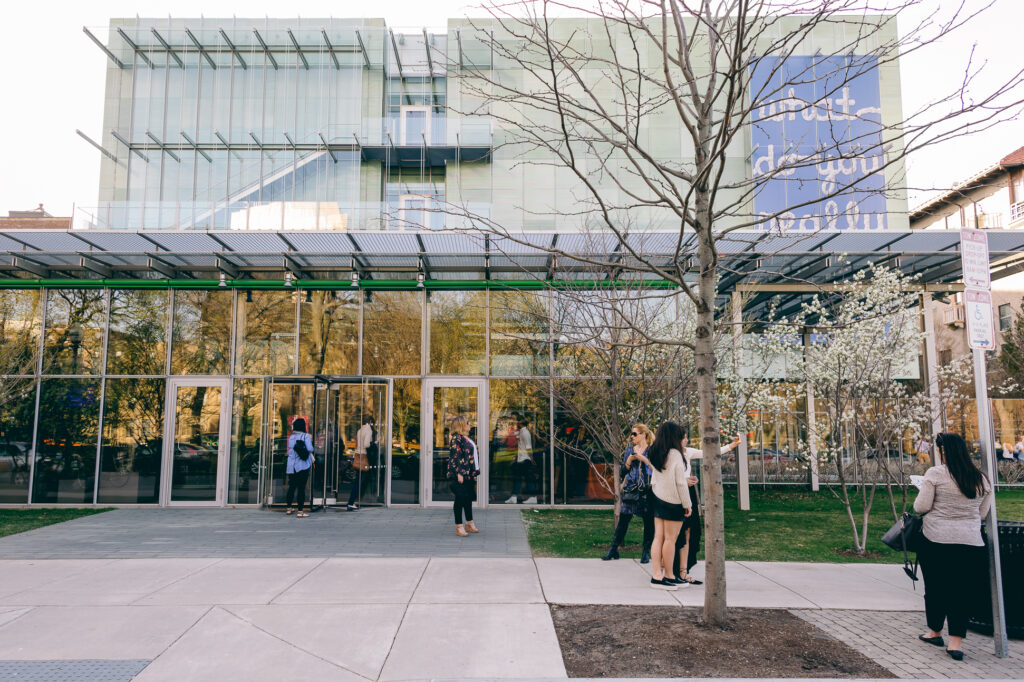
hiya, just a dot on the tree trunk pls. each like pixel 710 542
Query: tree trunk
pixel 707 392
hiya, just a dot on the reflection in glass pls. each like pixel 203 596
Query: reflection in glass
pixel 519 441
pixel 20 323
pixel 137 343
pixel 65 468
pixel 196 444
pixel 290 401
pixel 405 442
pixel 580 463
pixel 353 428
pixel 458 320
pixel 266 333
pixel 450 402
pixel 74 331
pixel 392 332
pixel 16 418
pixel 201 332
pixel 130 453
pixel 519 333
pixel 329 332
pixel 246 431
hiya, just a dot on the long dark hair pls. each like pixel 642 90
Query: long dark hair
pixel 954 454
pixel 299 425
pixel 670 436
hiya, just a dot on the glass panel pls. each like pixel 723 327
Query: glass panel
pixel 449 402
pixel 17 412
pixel 405 442
pixel 138 332
pixel 519 333
pixel 392 332
pixel 329 332
pixel 357 410
pixel 519 441
pixel 266 332
pixel 246 432
pixel 196 444
pixel 201 332
pixel 20 322
pixel 133 438
pixel 289 403
pixel 580 463
pixel 457 323
pixel 66 461
pixel 74 331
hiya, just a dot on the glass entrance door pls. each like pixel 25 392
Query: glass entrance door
pixel 443 400
pixel 198 429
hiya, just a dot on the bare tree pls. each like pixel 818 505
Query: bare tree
pixel 640 110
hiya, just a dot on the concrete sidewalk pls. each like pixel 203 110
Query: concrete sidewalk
pixel 388 618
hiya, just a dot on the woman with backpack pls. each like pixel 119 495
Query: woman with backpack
pixel 300 459
pixel 955 496
pixel 636 489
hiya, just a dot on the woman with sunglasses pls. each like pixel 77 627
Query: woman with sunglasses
pixel 635 474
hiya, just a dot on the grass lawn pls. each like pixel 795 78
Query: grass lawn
pixel 20 520
pixel 782 525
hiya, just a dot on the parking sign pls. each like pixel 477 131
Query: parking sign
pixel 981 331
pixel 974 258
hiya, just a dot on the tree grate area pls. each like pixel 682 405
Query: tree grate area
pixel 71 671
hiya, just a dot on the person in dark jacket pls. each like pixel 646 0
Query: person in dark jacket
pixel 463 468
pixel 635 468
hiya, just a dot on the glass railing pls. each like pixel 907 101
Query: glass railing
pixel 277 215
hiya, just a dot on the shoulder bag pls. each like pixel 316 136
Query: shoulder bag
pixel 905 535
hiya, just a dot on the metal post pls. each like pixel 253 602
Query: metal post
pixel 931 374
pixel 812 435
pixel 742 471
pixel 985 433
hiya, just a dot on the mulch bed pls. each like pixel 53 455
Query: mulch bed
pixel 670 641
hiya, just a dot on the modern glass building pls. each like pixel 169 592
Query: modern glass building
pixel 268 245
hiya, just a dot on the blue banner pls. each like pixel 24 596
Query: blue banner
pixel 817 144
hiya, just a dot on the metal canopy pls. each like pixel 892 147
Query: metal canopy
pixel 745 257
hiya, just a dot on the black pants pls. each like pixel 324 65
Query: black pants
pixel 623 525
pixel 951 575
pixel 464 494
pixel 356 490
pixel 523 472
pixel 297 483
pixel 692 524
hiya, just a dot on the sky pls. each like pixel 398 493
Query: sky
pixel 52 79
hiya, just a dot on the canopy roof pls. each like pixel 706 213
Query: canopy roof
pixel 460 257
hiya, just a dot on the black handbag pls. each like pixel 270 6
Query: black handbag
pixel 906 535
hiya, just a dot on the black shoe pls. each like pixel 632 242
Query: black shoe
pixel 937 641
pixel 613 553
pixel 677 582
pixel 955 654
pixel 663 585
pixel 645 558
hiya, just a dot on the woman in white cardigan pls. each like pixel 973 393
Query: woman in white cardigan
pixel 671 501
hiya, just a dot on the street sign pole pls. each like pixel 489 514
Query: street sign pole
pixel 974 257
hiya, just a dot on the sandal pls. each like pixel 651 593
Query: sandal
pixel 301 515
pixel 693 581
pixel 288 511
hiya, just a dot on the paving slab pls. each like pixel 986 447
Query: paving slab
pixel 10 613
pixel 235 581
pixel 48 633
pixel 373 580
pixel 356 637
pixel 475 640
pixel 837 586
pixel 479 581
pixel 223 646
pixel 21 575
pixel 745 589
pixel 108 582
pixel 592 581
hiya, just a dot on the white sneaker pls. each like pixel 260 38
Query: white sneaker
pixel 530 500
pixel 512 500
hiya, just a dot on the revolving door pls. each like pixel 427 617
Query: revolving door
pixel 349 420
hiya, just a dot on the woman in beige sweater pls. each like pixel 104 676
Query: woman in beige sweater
pixel 954 497
pixel 670 487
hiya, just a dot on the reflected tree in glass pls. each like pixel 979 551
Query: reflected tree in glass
pixel 520 331
pixel 74 331
pixel 137 342
pixel 17 413
pixel 246 429
pixel 265 333
pixel 65 468
pixel 132 446
pixel 392 333
pixel 201 332
pixel 458 322
pixel 329 332
pixel 405 442
pixel 520 439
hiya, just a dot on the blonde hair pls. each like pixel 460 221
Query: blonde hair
pixel 460 425
pixel 648 435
